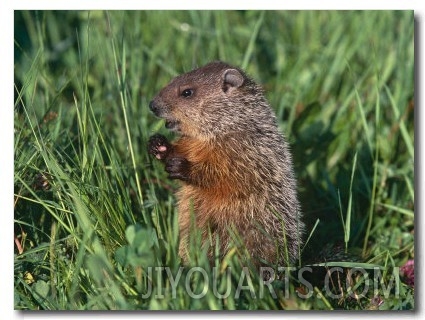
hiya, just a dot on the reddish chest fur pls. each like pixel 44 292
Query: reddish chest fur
pixel 216 192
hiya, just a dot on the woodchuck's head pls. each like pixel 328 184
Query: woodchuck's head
pixel 210 101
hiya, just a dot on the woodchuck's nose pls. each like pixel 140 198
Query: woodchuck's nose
pixel 152 106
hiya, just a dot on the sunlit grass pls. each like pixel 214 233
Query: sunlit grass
pixel 95 218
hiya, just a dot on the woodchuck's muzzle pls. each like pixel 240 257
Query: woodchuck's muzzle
pixel 153 107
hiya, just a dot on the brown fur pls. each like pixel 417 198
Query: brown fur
pixel 235 166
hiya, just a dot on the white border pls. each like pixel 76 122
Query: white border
pixel 6 128
pixel 229 5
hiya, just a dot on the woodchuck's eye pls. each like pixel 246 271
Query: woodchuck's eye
pixel 187 93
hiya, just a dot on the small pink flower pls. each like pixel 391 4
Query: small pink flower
pixel 408 272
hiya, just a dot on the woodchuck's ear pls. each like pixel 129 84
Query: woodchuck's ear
pixel 232 78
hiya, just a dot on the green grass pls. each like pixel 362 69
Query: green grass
pixel 95 216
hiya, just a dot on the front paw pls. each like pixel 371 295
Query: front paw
pixel 177 168
pixel 159 146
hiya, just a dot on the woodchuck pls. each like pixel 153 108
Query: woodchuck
pixel 235 166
